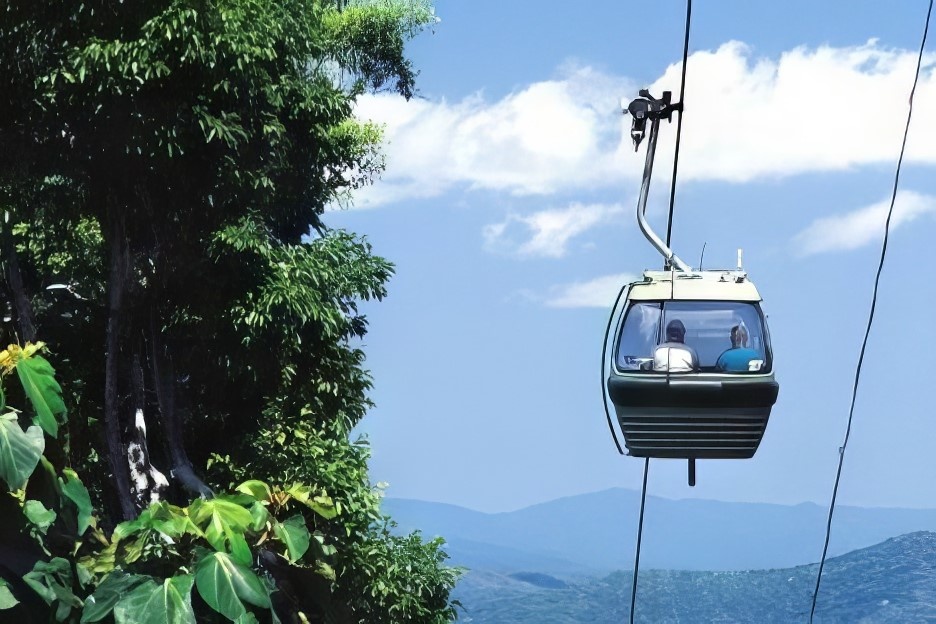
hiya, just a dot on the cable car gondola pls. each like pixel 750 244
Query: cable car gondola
pixel 692 372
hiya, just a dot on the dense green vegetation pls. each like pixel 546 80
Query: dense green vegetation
pixel 165 169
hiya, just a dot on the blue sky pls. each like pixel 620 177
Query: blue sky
pixel 508 207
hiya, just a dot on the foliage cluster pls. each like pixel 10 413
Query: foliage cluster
pixel 166 168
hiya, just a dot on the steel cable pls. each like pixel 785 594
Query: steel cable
pixel 864 343
pixel 669 233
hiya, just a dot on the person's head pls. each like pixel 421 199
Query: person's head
pixel 739 336
pixel 675 331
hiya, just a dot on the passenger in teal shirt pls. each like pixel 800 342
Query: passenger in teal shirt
pixel 738 358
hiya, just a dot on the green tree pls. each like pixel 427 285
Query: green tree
pixel 166 168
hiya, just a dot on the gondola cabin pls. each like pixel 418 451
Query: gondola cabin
pixel 692 370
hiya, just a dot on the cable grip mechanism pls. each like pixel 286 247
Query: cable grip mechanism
pixel 648 108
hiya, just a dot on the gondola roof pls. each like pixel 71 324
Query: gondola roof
pixel 694 286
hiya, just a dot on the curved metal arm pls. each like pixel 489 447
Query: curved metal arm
pixel 655 240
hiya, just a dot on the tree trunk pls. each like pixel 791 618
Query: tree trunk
pixel 117 280
pixel 164 382
pixel 25 322
pixel 147 482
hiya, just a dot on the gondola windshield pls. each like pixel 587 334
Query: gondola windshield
pixel 725 336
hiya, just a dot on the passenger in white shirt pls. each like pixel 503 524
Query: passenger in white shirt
pixel 675 355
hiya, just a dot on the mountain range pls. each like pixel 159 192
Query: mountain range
pixel 594 534
pixel 892 582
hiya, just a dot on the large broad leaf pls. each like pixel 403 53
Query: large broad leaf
pixel 52 580
pixel 221 535
pixel 225 585
pixel 19 451
pixel 45 394
pixel 295 535
pixel 152 603
pixel 108 593
pixel 169 520
pixel 7 599
pixel 256 489
pixel 231 513
pixel 38 515
pixel 127 528
pixel 76 492
pixel 260 515
pixel 224 521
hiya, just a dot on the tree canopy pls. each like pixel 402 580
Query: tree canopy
pixel 166 169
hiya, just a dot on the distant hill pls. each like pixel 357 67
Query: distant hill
pixel 892 582
pixel 593 534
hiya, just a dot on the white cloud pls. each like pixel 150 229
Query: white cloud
pixel 858 228
pixel 811 109
pixel 596 293
pixel 546 233
pixel 550 136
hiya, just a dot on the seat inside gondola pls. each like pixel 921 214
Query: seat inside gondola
pixel 708 330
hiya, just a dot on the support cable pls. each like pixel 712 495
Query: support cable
pixel 864 343
pixel 643 500
pixel 682 97
pixel 669 233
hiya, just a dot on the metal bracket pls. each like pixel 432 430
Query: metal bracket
pixel 646 107
pixel 643 109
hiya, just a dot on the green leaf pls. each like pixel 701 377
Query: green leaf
pixel 257 489
pixel 152 603
pixel 19 451
pixel 295 535
pixel 226 521
pixel 247 618
pixel 223 584
pixel 85 576
pixel 127 528
pixel 75 491
pixel 102 562
pixel 260 515
pixel 322 505
pixel 228 511
pixel 215 533
pixel 239 547
pixel 176 527
pixel 114 587
pixel 52 580
pixel 45 394
pixel 325 570
pixel 7 599
pixel 38 515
